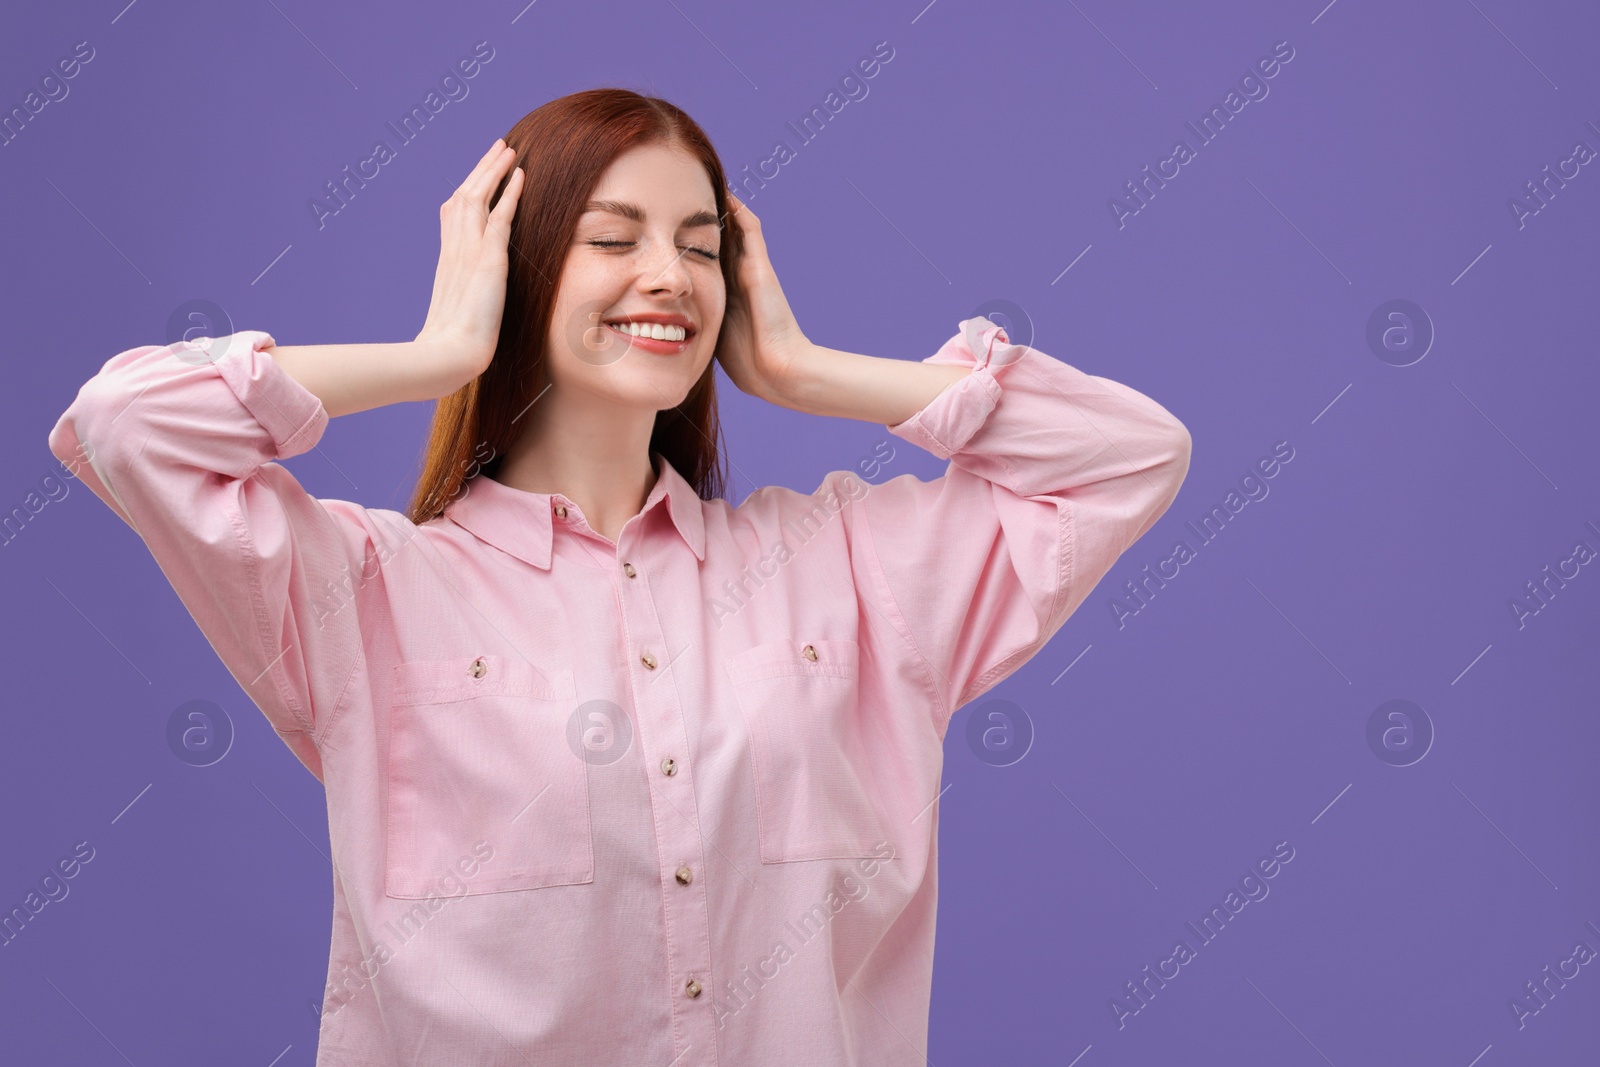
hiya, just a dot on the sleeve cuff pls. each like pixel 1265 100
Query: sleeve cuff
pixel 948 421
pixel 292 414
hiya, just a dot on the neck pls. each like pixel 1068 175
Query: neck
pixel 599 461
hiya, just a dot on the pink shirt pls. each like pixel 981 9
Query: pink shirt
pixel 669 801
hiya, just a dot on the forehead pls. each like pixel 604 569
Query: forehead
pixel 657 180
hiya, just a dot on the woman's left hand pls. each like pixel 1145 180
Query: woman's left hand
pixel 762 343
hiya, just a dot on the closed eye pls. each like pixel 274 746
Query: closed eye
pixel 704 252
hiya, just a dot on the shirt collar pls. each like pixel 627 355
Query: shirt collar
pixel 521 523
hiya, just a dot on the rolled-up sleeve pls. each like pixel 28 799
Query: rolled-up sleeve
pixel 179 440
pixel 1053 474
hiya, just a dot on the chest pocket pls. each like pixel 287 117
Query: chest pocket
pixel 478 754
pixel 814 784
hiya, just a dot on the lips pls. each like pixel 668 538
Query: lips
pixel 650 344
pixel 655 319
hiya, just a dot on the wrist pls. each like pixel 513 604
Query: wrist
pixel 829 382
pixel 802 379
pixel 449 349
pixel 440 364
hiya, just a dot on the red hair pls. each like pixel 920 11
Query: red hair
pixel 563 148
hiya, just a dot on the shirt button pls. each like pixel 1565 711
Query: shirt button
pixel 669 766
pixel 684 876
pixel 479 668
pixel 692 988
pixel 627 568
pixel 561 511
pixel 809 652
pixel 648 660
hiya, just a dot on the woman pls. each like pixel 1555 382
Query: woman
pixel 616 772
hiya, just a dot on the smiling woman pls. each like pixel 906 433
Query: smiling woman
pixel 627 226
pixel 654 331
pixel 534 661
pixel 619 240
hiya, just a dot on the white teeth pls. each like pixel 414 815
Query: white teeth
pixel 651 329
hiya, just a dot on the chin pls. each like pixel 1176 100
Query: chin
pixel 656 395
pixel 663 383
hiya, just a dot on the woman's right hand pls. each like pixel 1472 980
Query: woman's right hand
pixel 469 286
pixel 458 339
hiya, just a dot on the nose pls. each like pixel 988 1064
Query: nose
pixel 665 271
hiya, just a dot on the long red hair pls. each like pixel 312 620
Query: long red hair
pixel 563 148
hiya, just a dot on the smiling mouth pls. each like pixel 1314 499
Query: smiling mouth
pixel 641 336
pixel 651 331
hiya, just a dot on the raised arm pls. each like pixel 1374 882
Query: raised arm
pixel 180 442
pixel 1053 474
pixel 458 338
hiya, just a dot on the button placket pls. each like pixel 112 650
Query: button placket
pixel 661 729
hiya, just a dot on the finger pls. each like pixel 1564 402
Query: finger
pixel 472 203
pixel 482 183
pixel 733 210
pixel 742 210
pixel 506 206
pixel 495 150
pixel 755 245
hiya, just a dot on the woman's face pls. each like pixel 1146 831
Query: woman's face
pixel 645 250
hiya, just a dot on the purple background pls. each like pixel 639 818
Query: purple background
pixel 1230 714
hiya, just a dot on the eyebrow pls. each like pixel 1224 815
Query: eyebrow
pixel 694 220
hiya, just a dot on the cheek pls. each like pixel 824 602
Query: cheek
pixel 713 304
pixel 587 292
